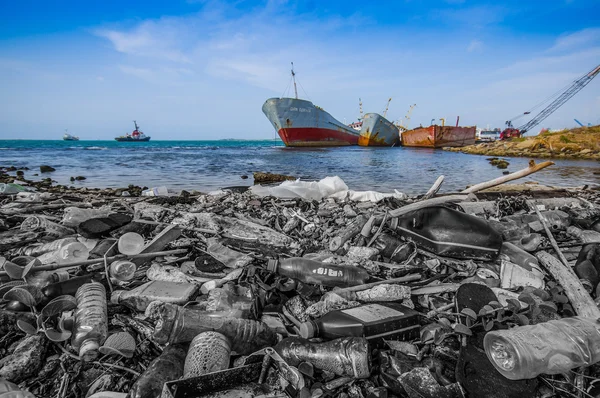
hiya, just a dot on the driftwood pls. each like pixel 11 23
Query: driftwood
pixel 404 279
pixel 580 299
pixel 348 233
pixel 426 203
pixel 434 188
pixel 513 176
pixel 436 289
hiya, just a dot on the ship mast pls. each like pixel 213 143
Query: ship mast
pixel 360 108
pixel 294 77
pixel 386 107
pixel 135 124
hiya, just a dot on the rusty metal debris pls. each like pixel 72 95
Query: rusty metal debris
pixel 205 267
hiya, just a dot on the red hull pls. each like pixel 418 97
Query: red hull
pixel 315 137
pixel 439 136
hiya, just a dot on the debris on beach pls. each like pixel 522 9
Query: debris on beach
pixel 351 295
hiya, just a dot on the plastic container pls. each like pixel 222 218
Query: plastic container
pixel 556 220
pixel 122 270
pixel 310 271
pixel 551 347
pixel 38 223
pixel 44 278
pixel 179 325
pixel 450 233
pixel 106 247
pixel 166 367
pixel 223 300
pixel 584 235
pixel 168 292
pixel 38 250
pixel 73 216
pixel 91 321
pixel 529 242
pixel 209 352
pixel 587 266
pixel 11 390
pixel 70 286
pixel 11 188
pixel 389 321
pixel 70 253
pixel 131 243
pixel 516 255
pixel 348 357
pixel 156 191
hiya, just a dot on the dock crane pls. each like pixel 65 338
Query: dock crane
pixel 387 106
pixel 404 127
pixel 563 97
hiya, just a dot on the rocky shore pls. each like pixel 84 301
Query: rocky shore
pixel 580 143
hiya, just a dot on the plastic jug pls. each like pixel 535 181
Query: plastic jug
pixel 450 233
pixel 375 322
pixel 91 321
pixel 551 347
pixel 166 367
pixel 168 292
pixel 310 271
pixel 349 356
pixel 178 325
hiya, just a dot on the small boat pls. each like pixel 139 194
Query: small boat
pixel 135 136
pixel 300 123
pixel 436 136
pixel 69 137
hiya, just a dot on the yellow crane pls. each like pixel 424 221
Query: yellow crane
pixel 404 127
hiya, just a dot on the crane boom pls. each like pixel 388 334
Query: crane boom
pixel 553 106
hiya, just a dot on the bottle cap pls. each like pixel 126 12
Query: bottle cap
pixel 307 329
pixel 89 350
pixel 115 297
pixel 272 265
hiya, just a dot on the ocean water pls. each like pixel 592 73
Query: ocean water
pixel 209 165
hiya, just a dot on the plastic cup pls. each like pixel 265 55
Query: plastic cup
pixel 131 243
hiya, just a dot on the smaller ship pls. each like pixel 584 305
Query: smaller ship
pixel 135 136
pixel 376 130
pixel 69 137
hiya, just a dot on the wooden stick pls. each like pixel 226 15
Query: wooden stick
pixel 436 289
pixel 434 188
pixel 513 176
pixel 426 203
pixel 550 236
pixel 348 233
pixel 403 279
pixel 580 299
pixel 51 267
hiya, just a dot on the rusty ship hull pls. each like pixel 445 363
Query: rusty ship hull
pixel 300 123
pixel 376 130
pixel 439 136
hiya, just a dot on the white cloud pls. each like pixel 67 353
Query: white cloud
pixel 142 73
pixel 576 40
pixel 475 45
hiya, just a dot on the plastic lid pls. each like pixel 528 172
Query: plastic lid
pixel 307 330
pixel 89 350
pixel 272 265
pixel 115 297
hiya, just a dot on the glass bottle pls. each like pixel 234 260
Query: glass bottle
pixel 315 272
pixel 164 291
pixel 179 325
pixel 551 347
pixel 91 320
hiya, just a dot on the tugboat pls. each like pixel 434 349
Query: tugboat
pixel 135 136
pixel 69 137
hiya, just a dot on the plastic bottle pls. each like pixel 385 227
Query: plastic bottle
pixel 45 278
pixel 131 243
pixel 209 352
pixel 450 233
pixel 38 250
pixel 166 367
pixel 73 216
pixel 38 223
pixel 529 242
pixel 105 247
pixel 584 235
pixel 11 390
pixel 310 271
pixel 551 347
pixel 122 270
pixel 587 266
pixel 168 292
pixel 178 325
pixel 67 254
pixel 156 191
pixel 519 268
pixel 70 286
pixel 349 357
pixel 554 219
pixel 91 320
pixel 222 300
pixel 516 255
pixel 10 188
pixel 374 321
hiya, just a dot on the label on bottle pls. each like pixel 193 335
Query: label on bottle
pixel 328 272
pixel 372 312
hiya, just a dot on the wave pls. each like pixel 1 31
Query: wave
pixel 95 148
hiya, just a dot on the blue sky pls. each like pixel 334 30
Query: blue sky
pixel 202 69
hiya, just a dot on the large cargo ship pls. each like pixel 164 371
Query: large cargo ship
pixel 439 136
pixel 378 131
pixel 300 123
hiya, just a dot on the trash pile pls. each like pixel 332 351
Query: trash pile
pixel 234 294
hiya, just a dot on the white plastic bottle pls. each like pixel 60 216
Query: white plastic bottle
pixel 91 320
pixel 67 254
pixel 551 347
pixel 73 216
